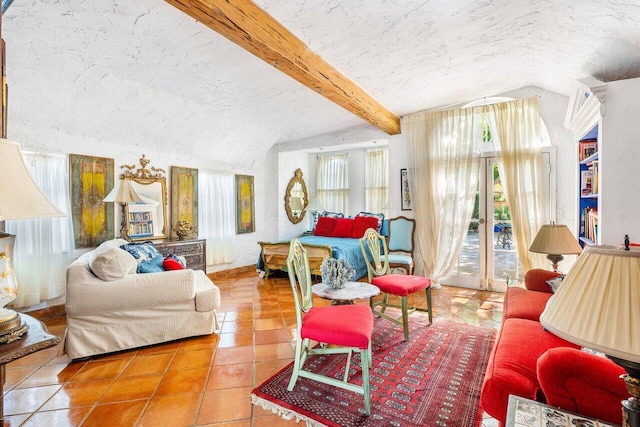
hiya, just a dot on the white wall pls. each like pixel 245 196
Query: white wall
pixel 619 155
pixel 129 152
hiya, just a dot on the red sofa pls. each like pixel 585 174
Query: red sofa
pixel 530 362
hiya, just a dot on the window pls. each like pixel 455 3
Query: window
pixel 216 215
pixel 376 192
pixel 44 246
pixel 333 182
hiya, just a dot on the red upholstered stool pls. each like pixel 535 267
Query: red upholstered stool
pixel 401 285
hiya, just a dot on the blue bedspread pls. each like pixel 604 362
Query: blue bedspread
pixel 343 248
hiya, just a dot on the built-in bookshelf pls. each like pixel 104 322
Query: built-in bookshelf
pixel 589 188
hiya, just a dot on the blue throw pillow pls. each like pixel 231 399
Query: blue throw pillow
pixel 144 251
pixel 154 265
pixel 332 214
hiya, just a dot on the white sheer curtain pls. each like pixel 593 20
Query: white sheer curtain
pixel 332 182
pixel 216 215
pixel 444 151
pixel 376 180
pixel 518 131
pixel 44 247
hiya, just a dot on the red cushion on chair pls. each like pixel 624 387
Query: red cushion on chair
pixel 343 227
pixel 344 325
pixel 325 226
pixel 401 284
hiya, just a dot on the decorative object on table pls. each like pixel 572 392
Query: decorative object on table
pixel 596 307
pixel 245 210
pixel 555 240
pixel 91 180
pixel 123 193
pixel 457 359
pixel 336 272
pixel 529 413
pixel 20 198
pixel 183 229
pixel 184 197
pixel 146 219
pixel 405 190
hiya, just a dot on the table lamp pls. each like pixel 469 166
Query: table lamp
pixel 555 240
pixel 20 198
pixel 597 307
pixel 123 193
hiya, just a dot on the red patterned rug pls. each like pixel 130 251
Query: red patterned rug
pixel 434 379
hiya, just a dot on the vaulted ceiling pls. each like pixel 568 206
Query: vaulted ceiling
pixel 144 72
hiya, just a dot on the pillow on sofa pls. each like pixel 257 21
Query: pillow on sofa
pixel 109 262
pixel 172 262
pixel 144 251
pixel 379 217
pixel 554 283
pixel 361 224
pixel 325 226
pixel 343 228
pixel 153 265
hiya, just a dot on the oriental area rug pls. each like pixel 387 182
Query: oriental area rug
pixel 434 379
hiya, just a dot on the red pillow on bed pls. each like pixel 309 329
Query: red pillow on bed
pixel 325 226
pixel 344 227
pixel 361 224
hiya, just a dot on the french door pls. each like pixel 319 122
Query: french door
pixel 488 257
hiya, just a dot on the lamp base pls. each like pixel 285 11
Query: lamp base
pixel 631 406
pixel 11 326
pixel 555 259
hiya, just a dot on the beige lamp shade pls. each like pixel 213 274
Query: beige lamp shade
pixel 20 197
pixel 596 305
pixel 315 205
pixel 555 239
pixel 123 192
pixel 296 204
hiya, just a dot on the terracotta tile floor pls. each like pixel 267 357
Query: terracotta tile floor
pixel 200 381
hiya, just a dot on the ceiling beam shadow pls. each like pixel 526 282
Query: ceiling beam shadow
pixel 251 28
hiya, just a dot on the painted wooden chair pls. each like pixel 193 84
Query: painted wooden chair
pixel 401 239
pixel 344 328
pixel 376 254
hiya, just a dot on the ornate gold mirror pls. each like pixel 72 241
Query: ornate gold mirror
pixel 146 219
pixel 296 198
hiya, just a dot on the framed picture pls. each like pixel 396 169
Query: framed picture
pixel 587 148
pixel 91 181
pixel 184 198
pixel 245 215
pixel 405 190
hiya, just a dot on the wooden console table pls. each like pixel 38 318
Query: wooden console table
pixel 35 339
pixel 194 251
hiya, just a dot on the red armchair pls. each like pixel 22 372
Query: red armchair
pixel 581 382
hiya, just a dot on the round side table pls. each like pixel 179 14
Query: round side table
pixel 346 295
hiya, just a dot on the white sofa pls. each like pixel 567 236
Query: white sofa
pixel 129 310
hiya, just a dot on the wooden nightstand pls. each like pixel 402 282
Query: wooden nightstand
pixel 529 413
pixel 194 251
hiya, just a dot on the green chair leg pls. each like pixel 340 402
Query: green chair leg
pixel 405 318
pixel 428 291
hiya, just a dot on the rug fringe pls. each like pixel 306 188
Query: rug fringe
pixel 287 414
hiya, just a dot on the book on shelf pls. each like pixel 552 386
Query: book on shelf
pixel 586 182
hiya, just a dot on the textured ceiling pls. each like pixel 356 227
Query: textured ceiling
pixel 141 72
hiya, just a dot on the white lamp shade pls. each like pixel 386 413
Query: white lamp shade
pixel 296 203
pixel 315 204
pixel 123 192
pixel 596 305
pixel 555 239
pixel 20 197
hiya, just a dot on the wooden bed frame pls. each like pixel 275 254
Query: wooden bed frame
pixel 274 256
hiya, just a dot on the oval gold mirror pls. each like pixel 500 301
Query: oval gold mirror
pixel 296 198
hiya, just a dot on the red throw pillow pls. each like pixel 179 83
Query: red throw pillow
pixel 325 226
pixel 361 224
pixel 344 227
pixel 172 264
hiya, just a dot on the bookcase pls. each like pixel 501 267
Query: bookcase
pixel 607 187
pixel 588 169
pixel 140 225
